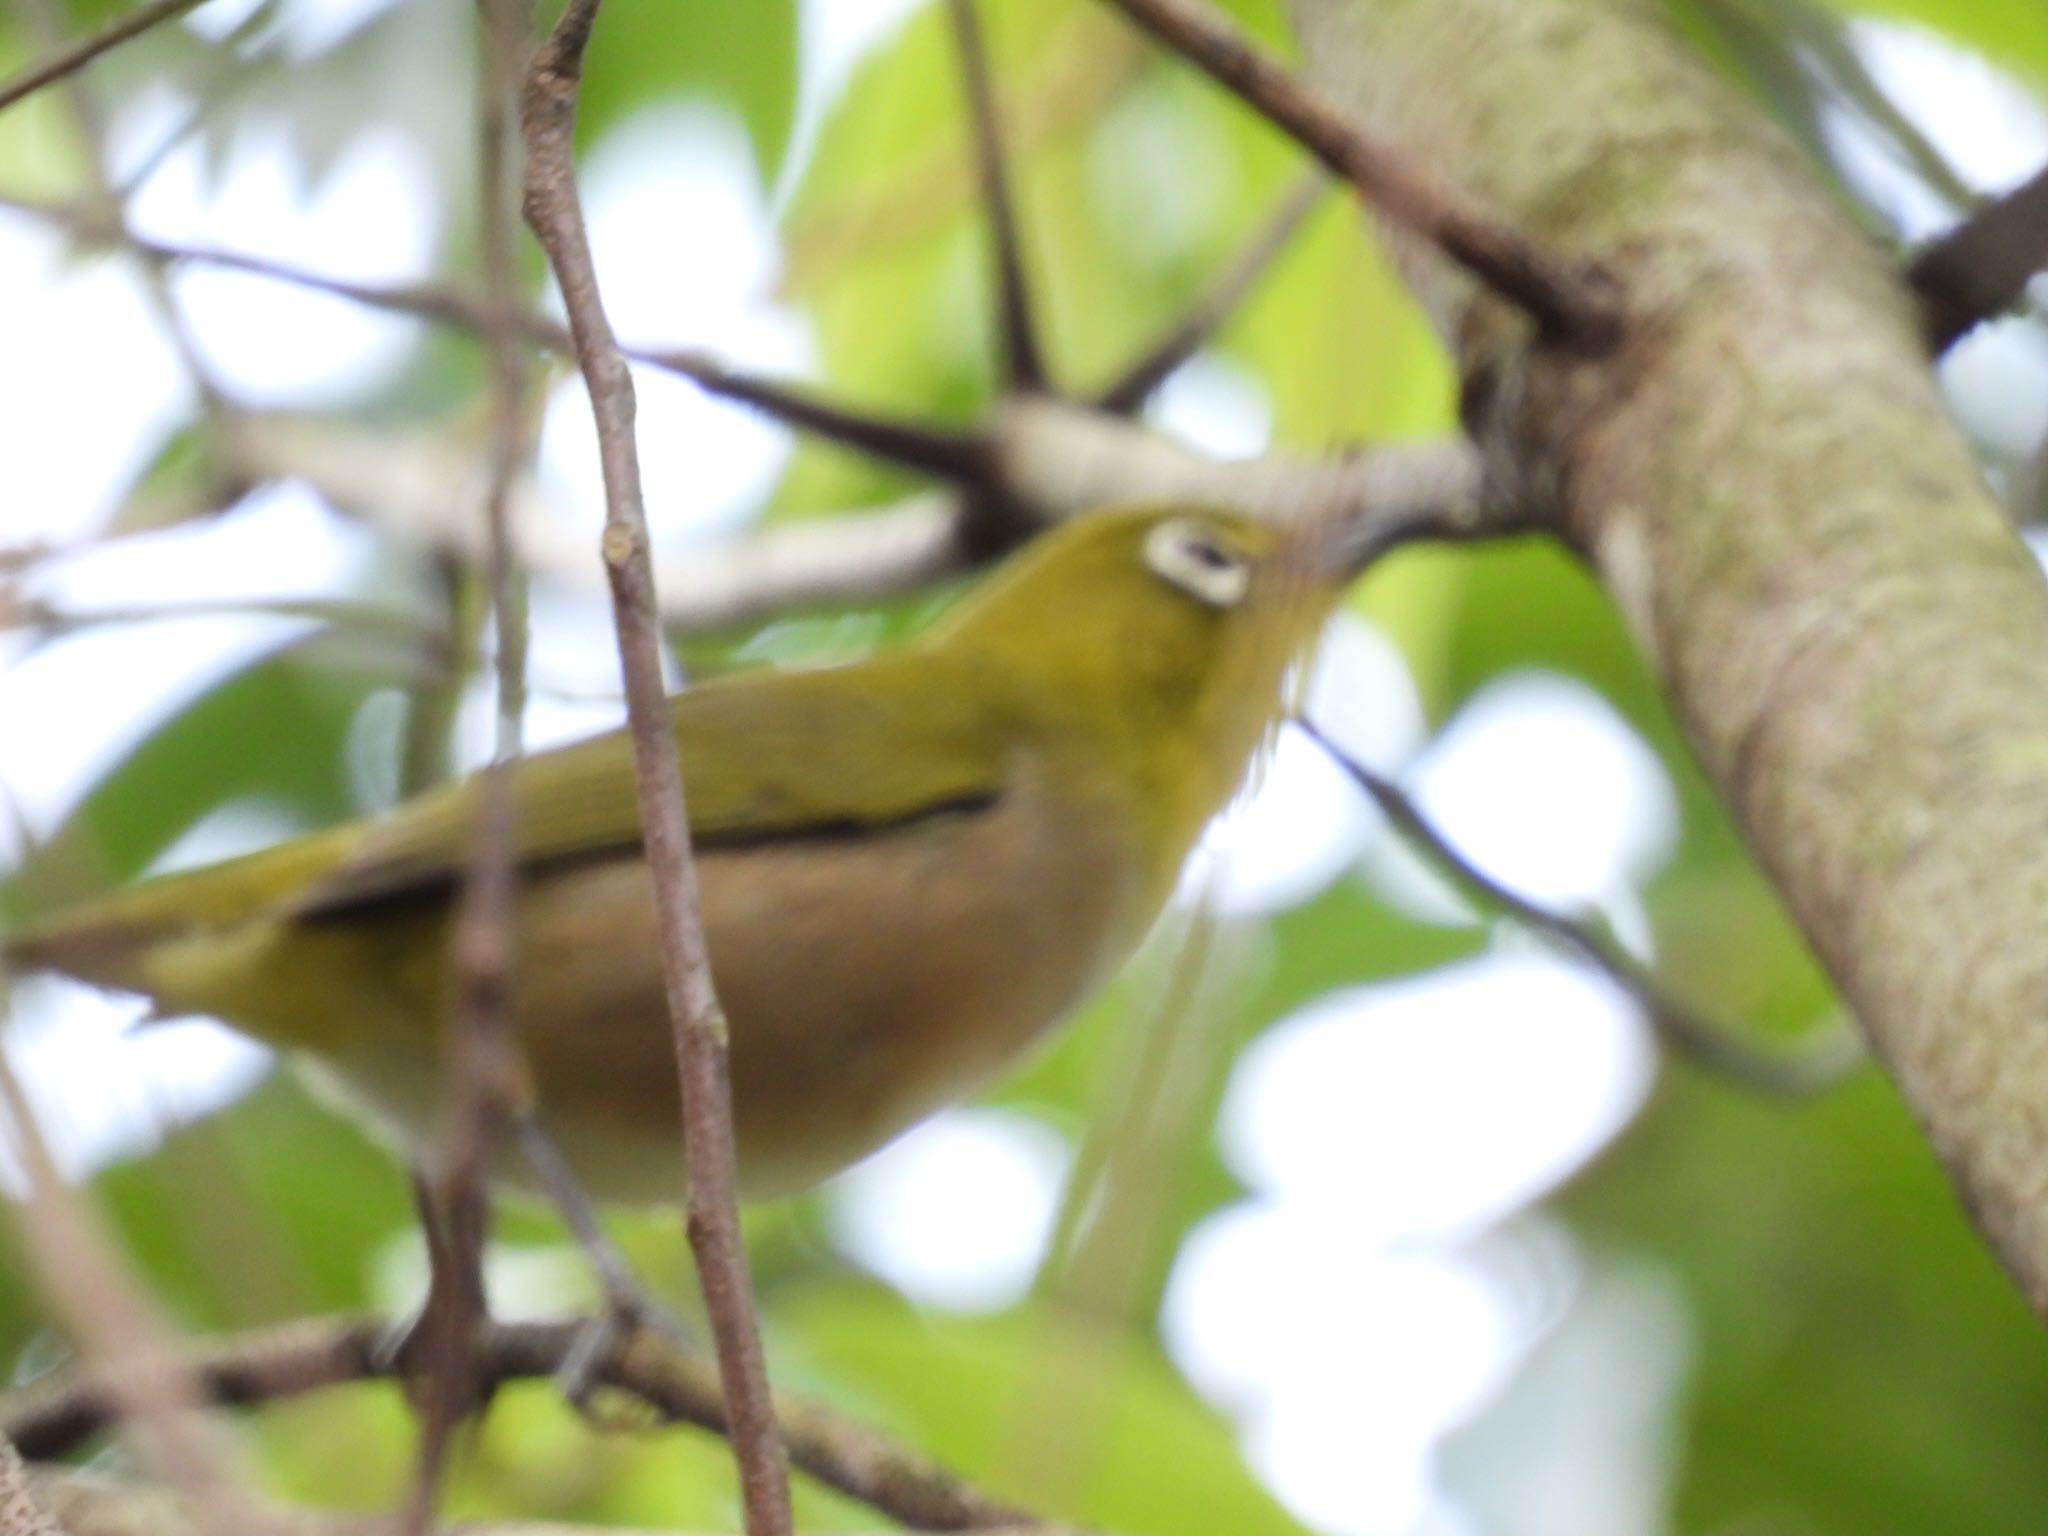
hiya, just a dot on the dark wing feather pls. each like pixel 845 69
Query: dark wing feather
pixel 766 757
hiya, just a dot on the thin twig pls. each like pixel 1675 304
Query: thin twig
pixel 957 457
pixel 1023 363
pixel 1191 332
pixel 1982 267
pixel 1051 458
pixel 487 1082
pixel 86 110
pixel 97 1302
pixel 1826 1062
pixel 1083 67
pixel 547 120
pixel 54 1417
pixel 38 614
pixel 960 458
pixel 203 104
pixel 1571 302
pixel 68 61
pixel 99 1505
pixel 1816 36
pixel 425 301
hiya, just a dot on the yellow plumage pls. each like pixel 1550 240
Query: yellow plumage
pixel 911 866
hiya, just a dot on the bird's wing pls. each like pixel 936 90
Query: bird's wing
pixel 766 757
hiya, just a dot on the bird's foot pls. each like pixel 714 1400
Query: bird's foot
pixel 437 1353
pixel 628 1309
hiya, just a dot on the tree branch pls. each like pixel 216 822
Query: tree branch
pixel 1826 1062
pixel 54 1417
pixel 1771 488
pixel 1049 459
pixel 93 1504
pixel 98 1305
pixel 1981 268
pixel 1023 363
pixel 1572 303
pixel 217 411
pixel 946 455
pixel 1065 459
pixel 68 61
pixel 486 1082
pixel 1129 391
pixel 547 119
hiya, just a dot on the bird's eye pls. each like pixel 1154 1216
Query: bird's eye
pixel 1188 554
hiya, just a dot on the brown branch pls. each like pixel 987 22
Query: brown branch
pixel 425 301
pixel 1189 334
pixel 216 410
pixel 68 61
pixel 1826 1062
pixel 54 1417
pixel 1982 267
pixel 47 619
pixel 547 120
pixel 1023 363
pixel 1083 67
pixel 1048 458
pixel 487 1083
pixel 94 1504
pixel 958 457
pixel 1814 36
pixel 102 1309
pixel 1571 302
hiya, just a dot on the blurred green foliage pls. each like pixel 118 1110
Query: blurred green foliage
pixel 1854 1361
pixel 2013 34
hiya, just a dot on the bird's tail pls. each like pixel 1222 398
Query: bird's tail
pixel 119 939
pixel 104 943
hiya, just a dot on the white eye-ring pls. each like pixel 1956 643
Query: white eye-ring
pixel 1187 553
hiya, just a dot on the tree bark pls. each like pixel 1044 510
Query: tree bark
pixel 1766 479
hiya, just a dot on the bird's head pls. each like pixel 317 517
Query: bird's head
pixel 1163 632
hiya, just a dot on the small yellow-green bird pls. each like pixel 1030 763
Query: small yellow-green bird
pixel 911 866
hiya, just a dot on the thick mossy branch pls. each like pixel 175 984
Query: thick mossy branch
pixel 1853 637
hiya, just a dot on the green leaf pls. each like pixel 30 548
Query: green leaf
pixel 739 53
pixel 1860 1363
pixel 2011 34
pixel 1340 345
pixel 1042 1410
pixel 268 1210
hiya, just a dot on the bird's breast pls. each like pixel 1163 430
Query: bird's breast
pixel 867 981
